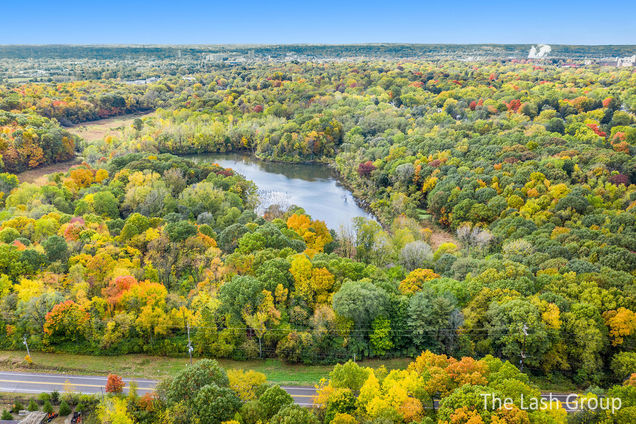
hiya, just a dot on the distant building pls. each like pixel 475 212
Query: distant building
pixel 626 61
pixel 143 81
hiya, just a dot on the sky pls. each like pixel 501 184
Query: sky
pixel 317 22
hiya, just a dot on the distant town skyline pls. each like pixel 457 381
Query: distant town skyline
pixel 327 22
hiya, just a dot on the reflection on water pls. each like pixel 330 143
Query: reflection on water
pixel 314 187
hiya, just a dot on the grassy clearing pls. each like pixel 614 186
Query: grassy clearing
pixel 90 132
pixel 97 130
pixel 38 175
pixel 555 384
pixel 157 367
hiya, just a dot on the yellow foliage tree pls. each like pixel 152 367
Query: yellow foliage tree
pixel 622 323
pixel 315 233
pixel 415 280
pixel 114 410
pixel 245 383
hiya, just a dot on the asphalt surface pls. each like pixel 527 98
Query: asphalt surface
pixel 18 382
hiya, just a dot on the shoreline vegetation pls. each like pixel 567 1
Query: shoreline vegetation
pixel 91 131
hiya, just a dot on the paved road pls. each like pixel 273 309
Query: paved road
pixel 303 396
pixel 17 382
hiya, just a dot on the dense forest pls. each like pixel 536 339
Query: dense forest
pixel 528 168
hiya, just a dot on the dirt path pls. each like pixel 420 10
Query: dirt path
pixel 440 236
pixel 38 175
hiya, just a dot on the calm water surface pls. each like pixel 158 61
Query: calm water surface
pixel 314 187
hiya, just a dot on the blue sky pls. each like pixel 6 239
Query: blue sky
pixel 328 21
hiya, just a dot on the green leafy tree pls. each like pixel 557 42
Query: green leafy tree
pixel 185 385
pixel 294 414
pixel 361 302
pixel 433 321
pixel 64 409
pixel 381 336
pixel 349 376
pixel 273 399
pixel 515 326
pixel 47 407
pixel 56 249
pixel 213 404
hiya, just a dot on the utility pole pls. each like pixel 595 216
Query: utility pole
pixel 523 346
pixel 190 348
pixel 24 340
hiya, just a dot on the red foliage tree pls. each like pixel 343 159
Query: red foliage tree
pixel 597 130
pixel 114 384
pixel 366 168
pixel 65 322
pixel 117 287
pixel 618 179
pixel 148 402
pixel 514 105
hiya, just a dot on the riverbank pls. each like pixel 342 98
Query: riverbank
pixel 298 173
pixel 438 237
pixel 313 187
pixel 359 197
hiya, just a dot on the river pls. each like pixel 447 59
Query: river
pixel 313 187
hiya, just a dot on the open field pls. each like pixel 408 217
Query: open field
pixel 89 131
pixel 38 175
pixel 97 130
pixel 157 367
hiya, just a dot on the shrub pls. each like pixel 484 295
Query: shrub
pixel 64 409
pixel 48 408
pixel 43 397
pixel 17 407
pixel 6 415
pixel 32 406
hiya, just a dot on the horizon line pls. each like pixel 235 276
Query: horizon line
pixel 298 44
